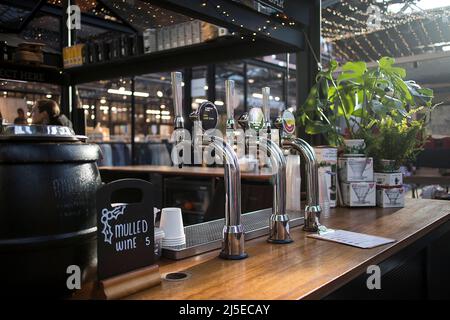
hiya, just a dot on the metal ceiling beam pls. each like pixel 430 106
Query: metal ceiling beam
pixel 329 3
pixel 173 59
pixel 31 15
pixel 117 15
pixel 238 18
pixel 86 18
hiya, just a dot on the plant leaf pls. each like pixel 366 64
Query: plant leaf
pixel 316 127
pixel 353 71
pixel 386 64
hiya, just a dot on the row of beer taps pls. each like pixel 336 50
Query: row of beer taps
pixel 256 120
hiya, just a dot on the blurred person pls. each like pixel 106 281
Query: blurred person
pixel 47 112
pixel 21 119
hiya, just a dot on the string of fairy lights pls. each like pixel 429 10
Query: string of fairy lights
pixel 138 12
pixel 398 34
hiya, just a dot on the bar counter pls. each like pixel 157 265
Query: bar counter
pixel 315 269
pixel 183 171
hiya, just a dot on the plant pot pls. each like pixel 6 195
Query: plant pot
pixel 354 147
pixel 388 166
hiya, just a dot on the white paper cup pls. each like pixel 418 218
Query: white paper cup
pixel 179 240
pixel 172 223
pixel 174 242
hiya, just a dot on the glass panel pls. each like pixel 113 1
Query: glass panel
pixel 229 71
pixel 154 113
pixel 107 108
pixel 259 77
pixel 16 95
pixel 292 91
pixel 199 86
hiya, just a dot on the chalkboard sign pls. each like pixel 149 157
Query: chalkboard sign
pixel 125 231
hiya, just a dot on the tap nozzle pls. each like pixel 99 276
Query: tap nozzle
pixel 177 79
pixel 230 101
pixel 266 109
pixel 243 121
pixel 177 95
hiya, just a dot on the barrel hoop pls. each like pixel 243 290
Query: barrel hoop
pixel 50 238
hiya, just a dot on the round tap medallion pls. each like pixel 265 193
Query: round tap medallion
pixel 208 115
pixel 288 120
pixel 256 119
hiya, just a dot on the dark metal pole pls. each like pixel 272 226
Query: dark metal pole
pixel 96 108
pixel 70 104
pixel 187 97
pixel 211 82
pixel 110 125
pixel 133 122
pixel 31 16
pixel 245 87
pixel 307 67
pixel 63 40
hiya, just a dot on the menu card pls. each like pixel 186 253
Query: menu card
pixel 359 240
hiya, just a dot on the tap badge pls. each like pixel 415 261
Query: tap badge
pixel 208 115
pixel 288 122
pixel 256 119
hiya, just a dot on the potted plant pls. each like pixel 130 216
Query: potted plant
pixel 395 143
pixel 375 105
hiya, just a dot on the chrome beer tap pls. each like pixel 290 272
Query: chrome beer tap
pixel 288 141
pixel 205 118
pixel 177 95
pixel 279 220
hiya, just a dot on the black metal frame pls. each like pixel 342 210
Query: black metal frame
pixel 246 21
pixel 113 11
pixel 219 50
pixel 55 11
pixel 306 63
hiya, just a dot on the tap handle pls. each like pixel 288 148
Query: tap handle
pixel 177 93
pixel 230 98
pixel 266 106
pixel 243 121
pixel 177 78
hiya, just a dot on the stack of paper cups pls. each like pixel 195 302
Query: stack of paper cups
pixel 172 224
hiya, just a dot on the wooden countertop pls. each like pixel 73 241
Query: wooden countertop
pixel 186 171
pixel 307 268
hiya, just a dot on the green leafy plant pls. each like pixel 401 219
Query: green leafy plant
pixel 396 141
pixel 359 99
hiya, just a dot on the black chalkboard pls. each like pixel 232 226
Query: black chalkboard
pixel 125 231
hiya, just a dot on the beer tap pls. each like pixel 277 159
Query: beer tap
pixel 205 118
pixel 279 220
pixel 288 141
pixel 177 79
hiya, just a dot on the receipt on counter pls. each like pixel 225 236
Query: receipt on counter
pixel 360 240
